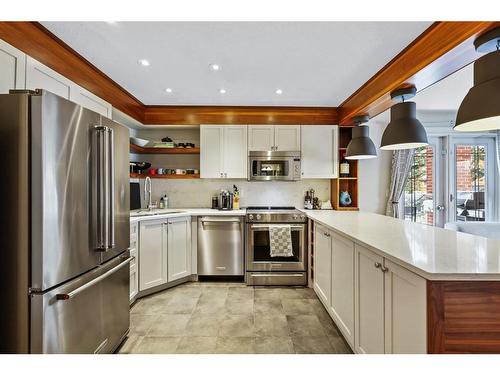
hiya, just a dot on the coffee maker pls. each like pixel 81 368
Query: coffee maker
pixel 225 200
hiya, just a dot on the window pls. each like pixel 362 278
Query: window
pixel 419 191
pixel 470 175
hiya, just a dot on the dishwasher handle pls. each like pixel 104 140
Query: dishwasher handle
pixel 217 220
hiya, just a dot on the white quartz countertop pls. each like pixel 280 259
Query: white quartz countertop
pixel 433 253
pixel 141 215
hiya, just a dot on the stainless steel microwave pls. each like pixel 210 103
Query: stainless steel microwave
pixel 274 165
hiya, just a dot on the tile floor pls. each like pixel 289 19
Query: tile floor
pixel 201 317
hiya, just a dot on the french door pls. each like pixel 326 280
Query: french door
pixel 452 179
pixel 471 195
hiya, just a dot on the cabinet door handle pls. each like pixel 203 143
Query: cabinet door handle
pixel 378 265
pixel 326 234
pixel 384 269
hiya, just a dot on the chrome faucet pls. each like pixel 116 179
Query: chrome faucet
pixel 147 189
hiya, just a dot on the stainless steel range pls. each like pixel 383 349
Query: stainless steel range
pixel 262 268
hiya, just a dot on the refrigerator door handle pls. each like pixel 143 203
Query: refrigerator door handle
pixel 105 188
pixel 77 291
pixel 111 188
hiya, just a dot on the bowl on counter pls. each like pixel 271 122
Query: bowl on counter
pixel 139 141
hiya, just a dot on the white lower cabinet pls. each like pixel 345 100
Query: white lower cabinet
pixel 369 303
pixel 342 295
pixel 405 311
pixel 379 306
pixel 179 248
pixel 134 269
pixel 164 251
pixel 322 264
pixel 152 254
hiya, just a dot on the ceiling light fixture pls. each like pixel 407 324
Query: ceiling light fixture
pixel 168 90
pixel 480 109
pixel 144 62
pixel 215 67
pixel 404 131
pixel 222 91
pixel 361 146
pixel 279 91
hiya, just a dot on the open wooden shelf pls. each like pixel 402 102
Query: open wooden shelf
pixel 349 184
pixel 134 149
pixel 166 176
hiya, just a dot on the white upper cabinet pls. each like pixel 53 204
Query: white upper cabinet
pixel 319 151
pixel 369 302
pixel 88 100
pixel 260 137
pixel 179 248
pixel 274 137
pixel 322 263
pixel 211 151
pixel 405 311
pixel 342 295
pixel 287 137
pixel 235 151
pixel 12 68
pixel 223 151
pixel 38 76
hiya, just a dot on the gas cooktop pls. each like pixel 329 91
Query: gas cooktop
pixel 271 208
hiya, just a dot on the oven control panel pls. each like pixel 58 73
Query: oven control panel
pixel 276 217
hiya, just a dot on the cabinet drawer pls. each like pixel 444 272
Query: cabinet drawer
pixel 133 243
pixel 134 229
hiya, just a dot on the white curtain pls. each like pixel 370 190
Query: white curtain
pixel 402 161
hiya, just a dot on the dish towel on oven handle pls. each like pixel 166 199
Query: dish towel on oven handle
pixel 280 241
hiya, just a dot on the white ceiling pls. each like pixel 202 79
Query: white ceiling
pixel 314 63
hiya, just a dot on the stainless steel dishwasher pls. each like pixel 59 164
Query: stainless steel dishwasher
pixel 221 246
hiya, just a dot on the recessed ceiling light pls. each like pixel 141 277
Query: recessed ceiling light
pixel 279 91
pixel 144 62
pixel 215 67
pixel 222 91
pixel 168 90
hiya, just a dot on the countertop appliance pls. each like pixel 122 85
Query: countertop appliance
pixel 225 200
pixel 262 269
pixel 65 227
pixel 274 165
pixel 221 249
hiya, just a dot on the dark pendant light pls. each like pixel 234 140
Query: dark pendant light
pixel 480 109
pixel 361 146
pixel 404 131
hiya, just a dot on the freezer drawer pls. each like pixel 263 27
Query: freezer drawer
pixel 220 246
pixel 89 314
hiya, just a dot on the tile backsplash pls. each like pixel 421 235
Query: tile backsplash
pixel 198 193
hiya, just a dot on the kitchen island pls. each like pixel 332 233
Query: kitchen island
pixel 394 286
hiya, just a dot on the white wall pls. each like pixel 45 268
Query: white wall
pixel 374 174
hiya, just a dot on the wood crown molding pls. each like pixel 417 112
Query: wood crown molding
pixel 38 42
pixel 441 50
pixel 189 115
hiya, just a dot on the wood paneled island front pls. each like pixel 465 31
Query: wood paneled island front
pixel 394 286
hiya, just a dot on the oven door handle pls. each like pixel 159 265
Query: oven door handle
pixel 263 226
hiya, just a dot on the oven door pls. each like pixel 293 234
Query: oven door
pixel 259 251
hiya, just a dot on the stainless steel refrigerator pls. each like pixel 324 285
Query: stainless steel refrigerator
pixel 64 263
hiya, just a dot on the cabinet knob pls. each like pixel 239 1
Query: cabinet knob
pixel 384 269
pixel 378 265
